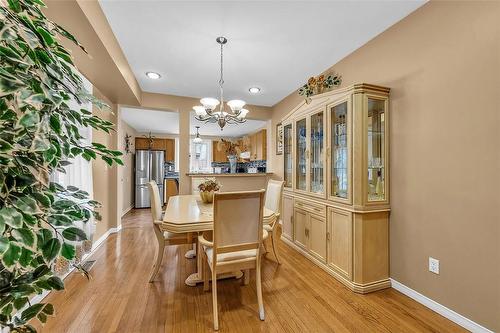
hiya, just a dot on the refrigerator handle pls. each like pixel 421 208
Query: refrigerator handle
pixel 150 165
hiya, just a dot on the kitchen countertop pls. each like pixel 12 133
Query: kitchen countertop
pixel 259 174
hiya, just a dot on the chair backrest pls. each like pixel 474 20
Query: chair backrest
pixel 274 195
pixel 154 198
pixel 238 220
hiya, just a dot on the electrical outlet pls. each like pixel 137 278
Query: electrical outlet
pixel 433 265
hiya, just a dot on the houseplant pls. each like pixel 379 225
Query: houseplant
pixel 208 188
pixel 38 136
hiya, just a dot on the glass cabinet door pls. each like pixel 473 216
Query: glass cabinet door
pixel 301 147
pixel 316 149
pixel 376 149
pixel 287 154
pixel 339 154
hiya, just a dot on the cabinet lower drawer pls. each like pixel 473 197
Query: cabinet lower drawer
pixel 311 207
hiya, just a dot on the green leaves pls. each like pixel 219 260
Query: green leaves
pixel 40 133
pixel 24 236
pixel 10 216
pixel 68 251
pixel 74 234
pixel 51 249
pixel 29 119
pixel 10 257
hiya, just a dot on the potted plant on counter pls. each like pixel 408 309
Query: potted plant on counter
pixel 207 189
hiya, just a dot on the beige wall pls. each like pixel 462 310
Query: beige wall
pixel 104 177
pixel 126 174
pixel 442 64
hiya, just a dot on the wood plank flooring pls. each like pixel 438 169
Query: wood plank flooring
pixel 298 296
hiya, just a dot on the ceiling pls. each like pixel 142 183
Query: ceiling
pixel 274 45
pixel 163 122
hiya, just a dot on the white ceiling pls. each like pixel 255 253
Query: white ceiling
pixel 163 122
pixel 275 45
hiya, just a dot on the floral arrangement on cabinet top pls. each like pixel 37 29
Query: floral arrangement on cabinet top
pixel 317 85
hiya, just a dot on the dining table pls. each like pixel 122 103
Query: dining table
pixel 189 214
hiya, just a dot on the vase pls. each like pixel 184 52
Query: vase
pixel 207 196
pixel 232 163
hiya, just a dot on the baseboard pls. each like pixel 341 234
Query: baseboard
pixel 441 309
pixel 95 246
pixel 127 210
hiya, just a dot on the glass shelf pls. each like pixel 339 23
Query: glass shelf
pixel 316 147
pixel 301 147
pixel 287 154
pixel 339 130
pixel 376 149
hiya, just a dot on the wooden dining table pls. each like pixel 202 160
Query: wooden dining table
pixel 188 214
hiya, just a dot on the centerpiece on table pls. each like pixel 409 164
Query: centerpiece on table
pixel 232 149
pixel 208 188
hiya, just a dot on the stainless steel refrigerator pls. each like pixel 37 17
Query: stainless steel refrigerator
pixel 149 165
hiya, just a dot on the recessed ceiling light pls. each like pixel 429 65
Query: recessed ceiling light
pixel 254 90
pixel 153 75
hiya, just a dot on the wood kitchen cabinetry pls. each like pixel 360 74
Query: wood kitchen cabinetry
pixel 167 145
pixel 218 156
pixel 336 200
pixel 258 146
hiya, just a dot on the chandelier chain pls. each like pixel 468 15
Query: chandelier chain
pixel 221 81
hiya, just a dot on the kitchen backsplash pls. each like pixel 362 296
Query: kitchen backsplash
pixel 242 166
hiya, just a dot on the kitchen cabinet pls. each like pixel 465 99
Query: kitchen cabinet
pixel 170 150
pixel 218 156
pixel 258 145
pixel 170 189
pixel 141 143
pixel 167 145
pixel 336 172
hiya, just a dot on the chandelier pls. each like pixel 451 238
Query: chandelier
pixel 209 113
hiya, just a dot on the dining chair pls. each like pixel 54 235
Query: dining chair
pixel 274 195
pixel 236 241
pixel 164 237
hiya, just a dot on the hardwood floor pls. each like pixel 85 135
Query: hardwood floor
pixel 298 296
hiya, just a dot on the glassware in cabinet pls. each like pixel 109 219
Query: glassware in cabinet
pixel 301 151
pixel 287 154
pixel 316 149
pixel 339 151
pixel 376 149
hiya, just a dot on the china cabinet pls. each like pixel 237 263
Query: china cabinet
pixel 336 201
pixel 310 171
pixel 287 154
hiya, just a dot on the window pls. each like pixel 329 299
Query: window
pixel 200 156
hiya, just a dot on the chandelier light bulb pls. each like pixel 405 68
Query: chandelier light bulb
pixel 236 104
pixel 243 113
pixel 209 103
pixel 200 111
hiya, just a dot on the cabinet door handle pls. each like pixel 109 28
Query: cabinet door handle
pixel 291 220
pixel 328 236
